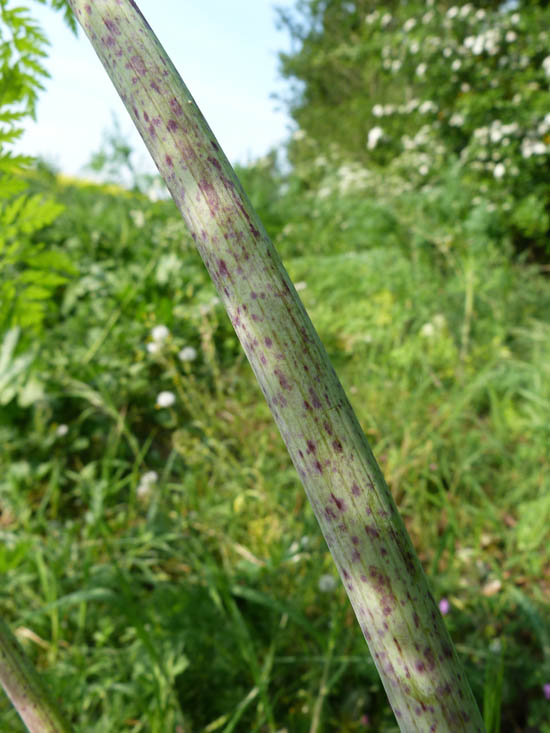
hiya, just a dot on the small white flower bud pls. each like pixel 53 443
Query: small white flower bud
pixel 165 399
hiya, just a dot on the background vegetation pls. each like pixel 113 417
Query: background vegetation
pixel 159 561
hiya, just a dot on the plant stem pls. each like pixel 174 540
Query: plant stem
pixel 385 582
pixel 25 688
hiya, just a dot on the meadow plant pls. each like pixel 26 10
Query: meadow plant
pixel 387 587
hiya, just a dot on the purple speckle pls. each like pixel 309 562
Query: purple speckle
pixel 211 196
pixel 283 381
pixel 169 161
pixel 311 447
pixel 279 400
pixel 337 446
pixel 155 87
pixel 316 402
pixel 430 659
pixel 138 65
pixel 268 342
pixel 355 490
pixel 172 125
pixel 372 532
pixel 222 269
pixel 113 27
pixel 175 106
pixel 318 467
pixel 255 232
pixel 327 426
pixel 339 503
pixel 416 620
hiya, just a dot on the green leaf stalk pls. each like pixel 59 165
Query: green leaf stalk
pixel 403 627
pixel 25 688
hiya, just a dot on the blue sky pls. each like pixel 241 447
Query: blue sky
pixel 225 51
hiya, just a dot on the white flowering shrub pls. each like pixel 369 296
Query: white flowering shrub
pixel 414 86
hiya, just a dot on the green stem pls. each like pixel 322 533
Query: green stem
pixel 25 688
pixel 385 582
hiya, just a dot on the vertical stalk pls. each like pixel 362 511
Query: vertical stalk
pixel 25 689
pixel 384 580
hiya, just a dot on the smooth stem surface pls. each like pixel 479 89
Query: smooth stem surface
pixel 387 587
pixel 25 689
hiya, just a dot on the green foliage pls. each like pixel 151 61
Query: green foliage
pixel 165 560
pixel 411 86
pixel 30 273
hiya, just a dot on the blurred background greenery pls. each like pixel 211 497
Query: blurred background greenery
pixel 159 561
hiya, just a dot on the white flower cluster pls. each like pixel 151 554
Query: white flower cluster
pixel 422 138
pixel 487 41
pixel 327 583
pixel 456 120
pixel 530 147
pixel 352 177
pixel 146 483
pixel 165 399
pixel 496 132
pixel 433 327
pixel 371 18
pixel 159 335
pixel 380 110
pixel 374 137
pixel 188 353
pixel 343 180
pixel 421 69
pixel 426 107
pixel 546 66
